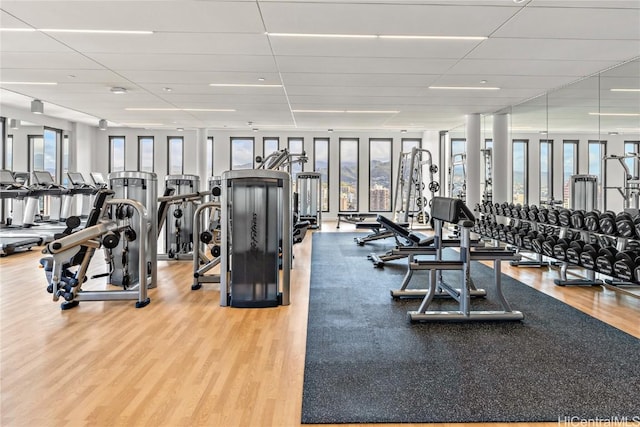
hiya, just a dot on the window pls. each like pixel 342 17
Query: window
pixel 296 146
pixel 8 153
pixel 348 174
pixel 597 151
pixel 116 153
pixel 65 160
pixel 175 160
pixel 409 143
pixel 569 167
pixel 321 165
pixel 631 148
pixel 270 145
pixel 380 175
pixel 210 156
pixel 458 168
pixel 242 153
pixel 50 151
pixel 546 170
pixel 519 172
pixel 145 153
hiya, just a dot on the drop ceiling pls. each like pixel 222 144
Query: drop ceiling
pixel 529 48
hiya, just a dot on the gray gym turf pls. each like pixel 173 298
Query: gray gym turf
pixel 366 363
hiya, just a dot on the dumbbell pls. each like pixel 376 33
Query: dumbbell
pixel 552 216
pixel 577 220
pixel 572 253
pixel 559 250
pixel 625 264
pixel 542 215
pixel 528 239
pixel 548 245
pixel 607 223
pixel 536 244
pixel 589 254
pixel 564 218
pixel 502 233
pixel 606 259
pixel 533 213
pixel 524 212
pixel 592 220
pixel 625 225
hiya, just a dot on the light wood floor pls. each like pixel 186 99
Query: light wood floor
pixel 183 360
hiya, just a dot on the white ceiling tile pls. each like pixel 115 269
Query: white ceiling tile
pixel 48 60
pixel 480 67
pixel 241 63
pixel 363 65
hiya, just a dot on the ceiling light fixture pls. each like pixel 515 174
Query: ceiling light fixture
pixel 37 107
pixel 260 79
pixel 616 114
pixel 398 37
pixel 241 85
pixel 403 131
pixel 13 123
pixel 624 90
pixel 464 87
pixel 102 124
pixel 255 129
pixel 613 133
pixel 329 130
pixel 30 83
pixel 84 31
pixel 348 111
pixel 216 110
pixel 180 129
pixel 167 89
pixel 376 36
pixel 118 90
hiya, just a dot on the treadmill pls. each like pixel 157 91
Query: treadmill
pixel 15 240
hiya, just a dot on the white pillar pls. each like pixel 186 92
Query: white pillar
pixel 474 159
pixel 201 150
pixel 500 158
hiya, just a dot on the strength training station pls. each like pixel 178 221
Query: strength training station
pixel 279 213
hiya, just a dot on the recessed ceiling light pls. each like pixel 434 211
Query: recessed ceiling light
pixel 118 90
pixel 372 111
pixel 260 79
pixel 624 90
pixel 167 89
pixel 403 131
pixel 241 85
pixel 216 110
pixel 616 114
pixel 433 37
pixel 483 82
pixel 329 130
pixel 255 129
pixel 29 83
pixel 84 31
pixel 613 133
pixel 180 129
pixel 464 87
pixel 377 36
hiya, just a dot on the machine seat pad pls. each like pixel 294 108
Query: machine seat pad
pixel 369 225
pixel 421 239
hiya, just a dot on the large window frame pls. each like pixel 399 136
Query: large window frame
pixel 143 153
pixel 172 152
pixel 597 160
pixel 234 141
pixel 545 150
pixel 349 200
pixel 267 145
pixel 385 144
pixel 570 156
pixel 117 151
pixel 323 146
pixel 525 172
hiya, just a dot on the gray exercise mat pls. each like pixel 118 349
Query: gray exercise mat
pixel 365 363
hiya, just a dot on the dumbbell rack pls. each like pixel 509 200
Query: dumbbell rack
pixel 563 231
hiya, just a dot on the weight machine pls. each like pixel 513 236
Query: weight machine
pixel 256 238
pixel 207 229
pixel 410 198
pixel 178 233
pixel 458 190
pixel 487 181
pixel 76 249
pixel 309 186
pixel 630 189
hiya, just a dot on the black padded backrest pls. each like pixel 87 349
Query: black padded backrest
pixel 395 228
pixel 92 219
pixel 450 210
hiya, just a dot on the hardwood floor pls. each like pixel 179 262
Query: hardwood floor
pixel 183 360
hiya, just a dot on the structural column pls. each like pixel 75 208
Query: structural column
pixel 500 153
pixel 474 159
pixel 201 150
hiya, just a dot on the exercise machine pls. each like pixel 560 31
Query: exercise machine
pixel 454 211
pixel 256 238
pixel 487 178
pixel 43 185
pixel 630 188
pixel 458 188
pixel 411 195
pixel 79 187
pixel 142 188
pixel 70 254
pixel 13 240
pixel 178 233
pixel 309 186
